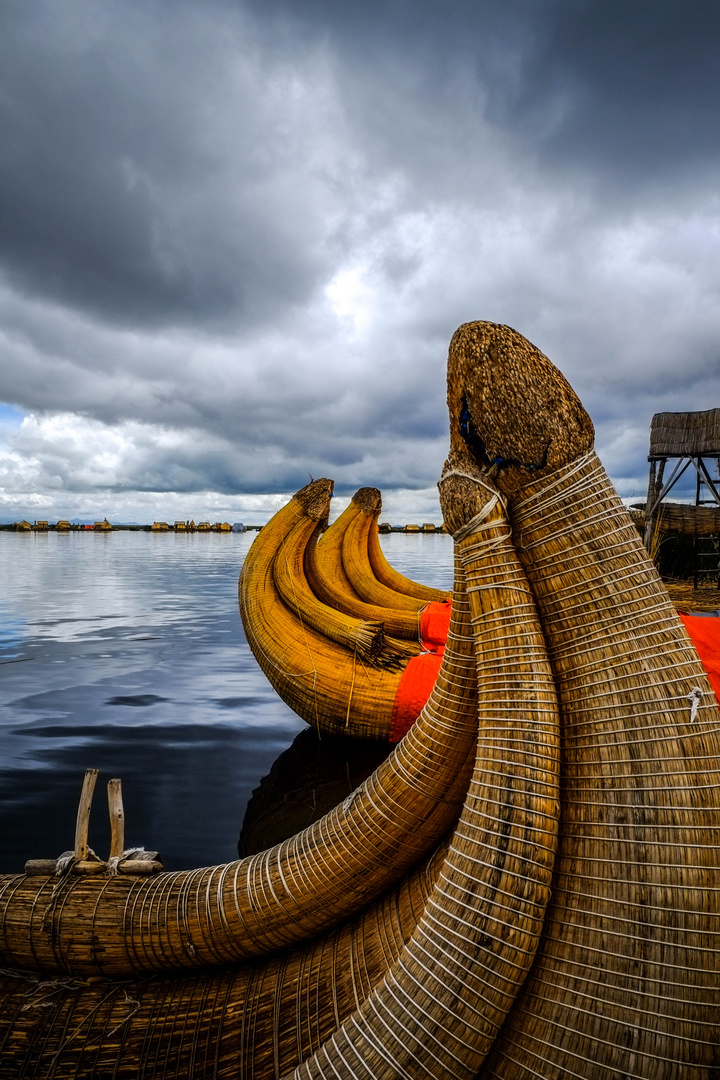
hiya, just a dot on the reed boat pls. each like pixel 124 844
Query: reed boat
pixel 344 664
pixel 528 885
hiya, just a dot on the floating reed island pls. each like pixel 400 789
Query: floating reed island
pixel 528 886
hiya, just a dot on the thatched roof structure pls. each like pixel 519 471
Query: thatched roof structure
pixel 690 520
pixel 685 434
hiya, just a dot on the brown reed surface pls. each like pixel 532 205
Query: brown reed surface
pixel 437 1011
pixel 391 577
pixel 253 1020
pixel 687 599
pixel 495 373
pixel 625 982
pixel 680 434
pixel 688 520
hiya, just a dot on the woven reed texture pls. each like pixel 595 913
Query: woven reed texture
pixel 117 925
pixel 684 434
pixel 438 1009
pixel 496 418
pixel 625 984
pixel 689 520
pixel 254 1020
pixel 624 981
pixel 328 576
pixel 686 598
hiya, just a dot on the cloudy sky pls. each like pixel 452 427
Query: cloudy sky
pixel 236 237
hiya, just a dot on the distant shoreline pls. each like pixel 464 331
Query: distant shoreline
pixel 428 528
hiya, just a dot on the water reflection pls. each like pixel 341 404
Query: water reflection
pixel 305 782
pixel 125 652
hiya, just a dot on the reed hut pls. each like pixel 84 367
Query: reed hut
pixel 687 439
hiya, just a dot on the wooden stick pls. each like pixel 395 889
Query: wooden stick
pixel 117 818
pixel 83 814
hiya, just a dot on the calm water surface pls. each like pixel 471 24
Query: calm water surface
pixel 125 652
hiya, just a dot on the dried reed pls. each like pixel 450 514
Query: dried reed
pixel 625 982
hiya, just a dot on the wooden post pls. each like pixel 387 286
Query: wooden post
pixel 652 507
pixel 83 815
pixel 649 503
pixel 117 818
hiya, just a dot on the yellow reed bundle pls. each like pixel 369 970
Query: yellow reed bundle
pixel 386 573
pixel 362 638
pixel 331 687
pixel 327 570
pixel 355 551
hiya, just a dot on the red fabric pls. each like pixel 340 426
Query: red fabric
pixel 705 636
pixel 435 622
pixel 415 687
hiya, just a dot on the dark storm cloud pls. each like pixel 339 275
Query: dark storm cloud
pixel 236 238
pixel 145 181
pixel 606 85
pixel 140 179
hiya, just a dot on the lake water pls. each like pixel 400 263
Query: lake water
pixel 125 652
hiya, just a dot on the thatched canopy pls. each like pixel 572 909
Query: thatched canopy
pixel 685 434
pixel 691 520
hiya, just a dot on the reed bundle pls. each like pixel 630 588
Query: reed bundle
pixel 385 586
pixel 625 982
pixel 389 576
pixel 682 434
pixel 687 598
pixel 689 520
pixel 254 1021
pixel 331 656
pixel 120 925
pixel 333 687
pixel 363 638
pixel 329 566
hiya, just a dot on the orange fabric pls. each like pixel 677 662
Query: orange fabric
pixel 415 687
pixel 435 622
pixel 705 636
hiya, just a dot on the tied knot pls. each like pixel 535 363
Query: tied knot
pixel 694 698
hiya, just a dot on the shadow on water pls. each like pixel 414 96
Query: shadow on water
pixel 305 782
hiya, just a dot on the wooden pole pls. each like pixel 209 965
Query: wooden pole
pixel 83 814
pixel 117 818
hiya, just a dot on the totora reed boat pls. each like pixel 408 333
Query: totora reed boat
pixel 528 886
